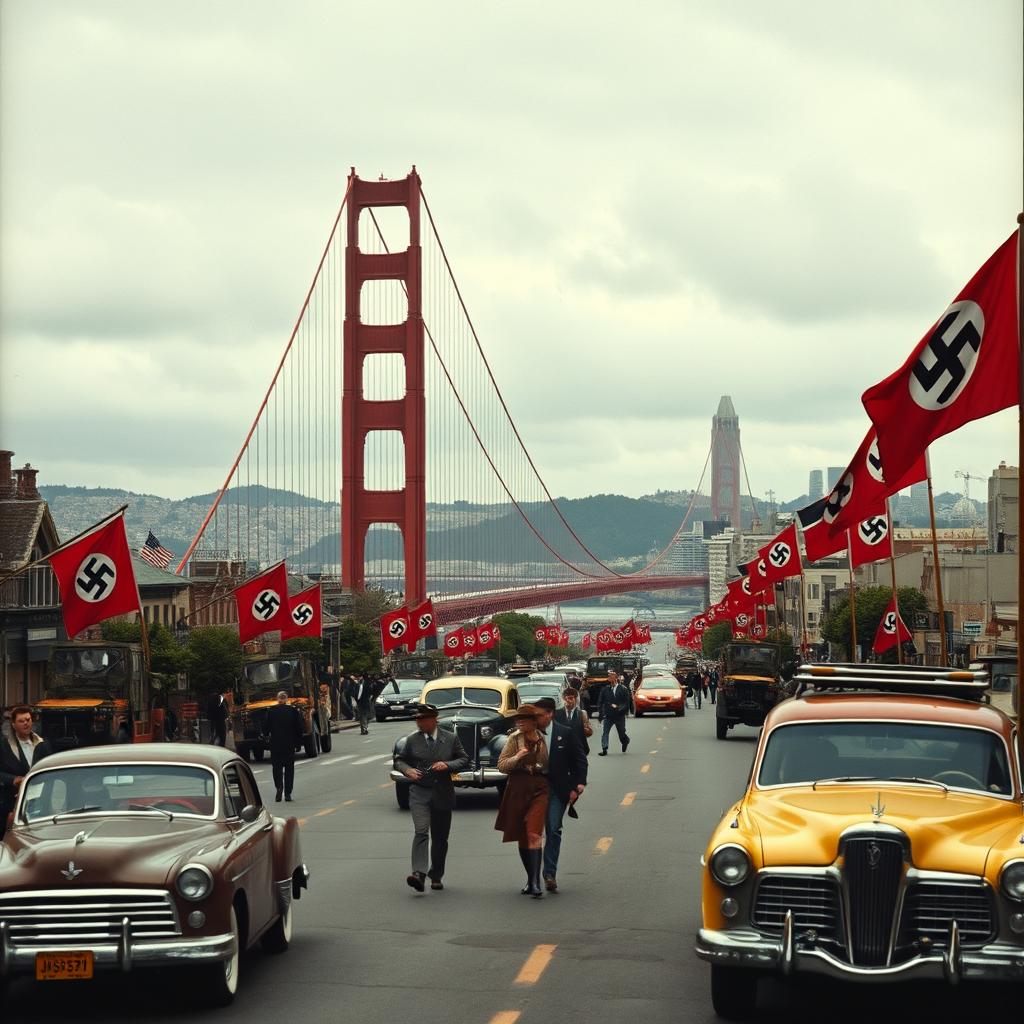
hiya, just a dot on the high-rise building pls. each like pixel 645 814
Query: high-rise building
pixel 1004 509
pixel 725 464
pixel 834 473
pixel 814 485
pixel 919 499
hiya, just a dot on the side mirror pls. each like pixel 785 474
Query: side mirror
pixel 249 813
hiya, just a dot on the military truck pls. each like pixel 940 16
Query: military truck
pixel 262 679
pixel 417 666
pixel 476 667
pixel 596 678
pixel 752 679
pixel 96 692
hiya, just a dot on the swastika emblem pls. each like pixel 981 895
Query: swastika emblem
pixel 700 624
pixel 745 585
pixel 838 499
pixel 397 628
pixel 469 640
pixel 266 604
pixel 946 363
pixel 425 621
pixel 780 554
pixel 452 642
pixel 873 530
pixel 762 568
pixel 741 620
pixel 874 462
pixel 540 634
pixel 758 631
pixel 302 614
pixel 95 578
pixel 889 623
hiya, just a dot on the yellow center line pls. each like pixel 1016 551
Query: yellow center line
pixel 644 769
pixel 349 803
pixel 536 964
pixel 387 785
pixel 604 844
pixel 657 739
pixel 325 811
pixel 628 799
pixel 302 821
pixel 506 1017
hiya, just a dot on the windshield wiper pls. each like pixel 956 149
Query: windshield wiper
pixel 845 778
pixel 150 807
pixel 77 810
pixel 917 778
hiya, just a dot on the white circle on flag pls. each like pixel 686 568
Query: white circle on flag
pixel 780 554
pixel 426 620
pixel 874 530
pixel 838 499
pixel 266 604
pixel 397 628
pixel 96 577
pixel 947 361
pixel 889 623
pixel 302 614
pixel 452 642
pixel 873 461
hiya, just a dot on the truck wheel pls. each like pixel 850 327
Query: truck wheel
pixel 721 728
pixel 402 795
pixel 326 742
pixel 733 992
pixel 310 743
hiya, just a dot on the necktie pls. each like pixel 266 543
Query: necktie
pixel 430 742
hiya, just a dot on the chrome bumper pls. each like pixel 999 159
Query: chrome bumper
pixel 994 962
pixel 480 777
pixel 124 954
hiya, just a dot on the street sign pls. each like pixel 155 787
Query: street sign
pixel 971 629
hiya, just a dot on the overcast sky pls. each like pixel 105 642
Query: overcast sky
pixel 656 204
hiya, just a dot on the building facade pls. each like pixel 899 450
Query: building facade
pixel 815 485
pixel 1003 509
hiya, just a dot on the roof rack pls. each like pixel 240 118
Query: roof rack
pixel 927 680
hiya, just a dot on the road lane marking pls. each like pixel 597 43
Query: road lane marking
pixel 506 1017
pixel 628 799
pixel 536 964
pixel 349 803
pixel 604 844
pixel 644 769
pixel 385 785
pixel 657 739
pixel 367 760
pixel 326 810
pixel 335 760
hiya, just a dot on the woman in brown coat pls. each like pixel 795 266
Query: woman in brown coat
pixel 524 804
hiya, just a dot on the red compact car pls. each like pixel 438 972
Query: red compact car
pixel 660 692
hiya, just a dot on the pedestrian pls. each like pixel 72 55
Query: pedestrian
pixel 18 753
pixel 362 696
pixel 429 759
pixel 567 779
pixel 285 729
pixel 615 703
pixel 524 804
pixel 695 685
pixel 346 701
pixel 713 684
pixel 217 713
pixel 573 716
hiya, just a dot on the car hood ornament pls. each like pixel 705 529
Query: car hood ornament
pixel 71 872
pixel 878 809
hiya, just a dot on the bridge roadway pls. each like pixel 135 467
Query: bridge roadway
pixel 614 946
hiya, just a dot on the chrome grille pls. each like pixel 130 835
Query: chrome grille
pixel 86 917
pixel 873 867
pixel 933 904
pixel 814 900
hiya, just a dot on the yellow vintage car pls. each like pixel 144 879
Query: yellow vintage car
pixel 881 838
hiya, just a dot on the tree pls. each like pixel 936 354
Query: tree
pixel 871 605
pixel 167 656
pixel 517 639
pixel 783 638
pixel 370 604
pixel 359 647
pixel 215 659
pixel 305 645
pixel 715 638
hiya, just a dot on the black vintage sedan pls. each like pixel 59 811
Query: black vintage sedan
pixel 397 697
pixel 478 710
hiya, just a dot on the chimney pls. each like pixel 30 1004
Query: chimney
pixel 27 483
pixel 6 480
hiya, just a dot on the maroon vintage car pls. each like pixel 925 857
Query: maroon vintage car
pixel 158 855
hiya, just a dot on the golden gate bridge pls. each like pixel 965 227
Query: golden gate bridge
pixel 385 416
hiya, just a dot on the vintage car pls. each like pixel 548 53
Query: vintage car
pixel 262 679
pixel 396 699
pixel 163 855
pixel 96 692
pixel 751 682
pixel 659 691
pixel 478 710
pixel 880 839
pixel 418 666
pixel 542 684
pixel 476 667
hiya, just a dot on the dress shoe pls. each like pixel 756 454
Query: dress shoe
pixel 416 881
pixel 550 884
pixel 604 753
pixel 288 798
pixel 436 884
pixel 277 798
pixel 624 745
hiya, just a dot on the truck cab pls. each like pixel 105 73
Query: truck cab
pixel 750 683
pixel 596 678
pixel 417 666
pixel 95 693
pixel 476 667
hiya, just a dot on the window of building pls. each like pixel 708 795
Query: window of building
pixel 145 612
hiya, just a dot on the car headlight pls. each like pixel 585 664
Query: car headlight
pixel 730 865
pixel 381 700
pixel 486 732
pixel 1011 880
pixel 194 882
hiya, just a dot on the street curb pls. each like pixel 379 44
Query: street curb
pixel 343 726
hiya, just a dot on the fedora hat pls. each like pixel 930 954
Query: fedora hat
pixel 424 711
pixel 527 711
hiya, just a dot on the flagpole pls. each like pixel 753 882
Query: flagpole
pixel 853 600
pixel 892 566
pixel 803 615
pixel 77 536
pixel 938 570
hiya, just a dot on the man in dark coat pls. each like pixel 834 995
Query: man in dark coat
pixel 567 777
pixel 574 717
pixel 430 757
pixel 18 754
pixel 361 694
pixel 616 699
pixel 218 715
pixel 284 726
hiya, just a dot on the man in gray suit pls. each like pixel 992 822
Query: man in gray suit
pixel 429 758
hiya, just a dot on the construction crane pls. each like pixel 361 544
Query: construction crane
pixel 969 514
pixel 967 477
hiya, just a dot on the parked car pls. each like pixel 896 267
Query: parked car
pixel 659 691
pixel 160 855
pixel 478 710
pixel 542 684
pixel 395 700
pixel 879 839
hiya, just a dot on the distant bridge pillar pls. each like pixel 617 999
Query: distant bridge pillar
pixel 405 507
pixel 725 464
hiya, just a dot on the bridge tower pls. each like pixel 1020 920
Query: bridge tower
pixel 725 464
pixel 405 507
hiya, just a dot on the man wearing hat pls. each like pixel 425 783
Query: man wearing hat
pixel 429 758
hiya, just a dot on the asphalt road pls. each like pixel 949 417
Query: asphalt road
pixel 615 945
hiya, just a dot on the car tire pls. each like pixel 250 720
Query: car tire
pixel 679 714
pixel 216 984
pixel 278 937
pixel 721 728
pixel 733 992
pixel 380 717
pixel 310 743
pixel 638 714
pixel 402 795
pixel 326 742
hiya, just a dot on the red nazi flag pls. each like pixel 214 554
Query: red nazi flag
pixel 964 368
pixel 871 539
pixel 263 603
pixel 394 629
pixel 585 642
pixel 781 556
pixel 891 630
pixel 96 577
pixel 484 637
pixel 305 615
pixel 422 622
pixel 453 643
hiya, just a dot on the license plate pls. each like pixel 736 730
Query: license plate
pixel 63 966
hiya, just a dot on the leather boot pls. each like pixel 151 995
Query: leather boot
pixel 536 860
pixel 524 856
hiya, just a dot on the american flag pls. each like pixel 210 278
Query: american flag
pixel 154 553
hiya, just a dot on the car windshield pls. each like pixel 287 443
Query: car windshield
pixel 120 789
pixel 446 696
pixel 601 666
pixel 92 671
pixel 266 677
pixel 464 713
pixel 760 660
pixel 659 683
pixel 402 688
pixel 960 758
pixel 530 690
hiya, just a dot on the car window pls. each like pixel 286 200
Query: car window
pixel 445 695
pixel 249 788
pixel 960 758
pixel 659 683
pixel 513 698
pixel 483 695
pixel 234 797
